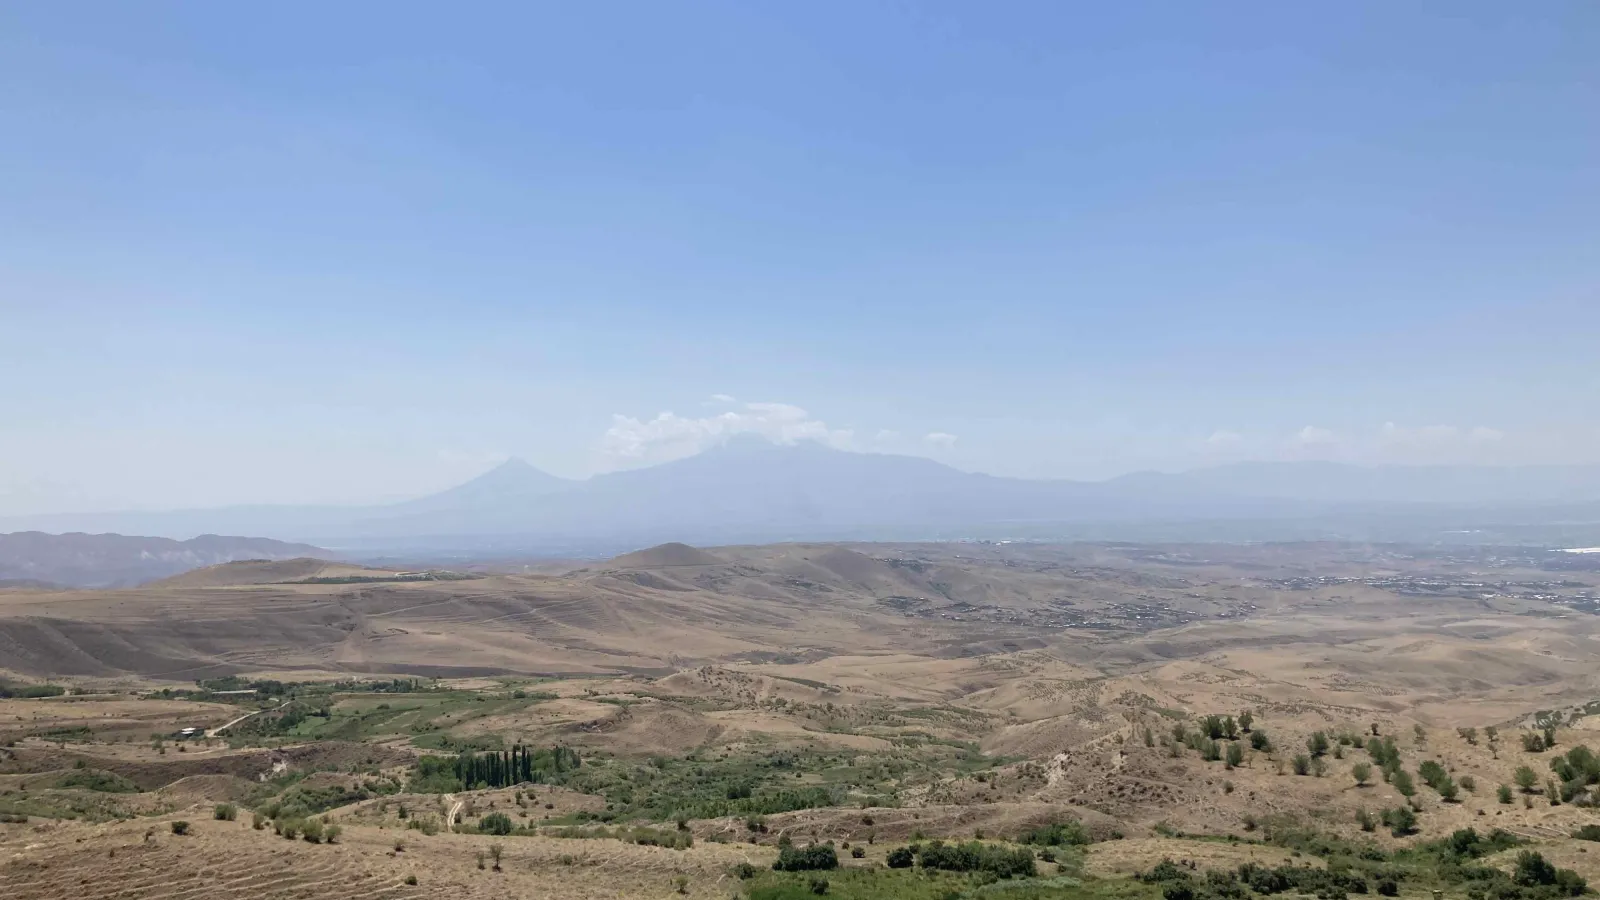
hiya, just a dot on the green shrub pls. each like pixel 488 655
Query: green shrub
pixel 804 859
pixel 97 780
pixel 974 856
pixel 495 823
pixel 1401 821
pixel 1057 834
pixel 901 858
pixel 180 827
pixel 225 812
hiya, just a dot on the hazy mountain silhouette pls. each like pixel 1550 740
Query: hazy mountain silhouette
pixel 104 560
pixel 749 490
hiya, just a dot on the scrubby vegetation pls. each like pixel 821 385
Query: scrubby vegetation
pixel 97 780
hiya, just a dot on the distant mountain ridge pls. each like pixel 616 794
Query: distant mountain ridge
pixel 111 560
pixel 752 491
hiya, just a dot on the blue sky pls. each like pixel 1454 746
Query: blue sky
pixel 296 252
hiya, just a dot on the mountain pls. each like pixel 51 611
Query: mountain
pixel 752 491
pixel 510 484
pixel 106 560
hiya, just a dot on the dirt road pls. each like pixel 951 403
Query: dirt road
pixel 213 732
pixel 455 810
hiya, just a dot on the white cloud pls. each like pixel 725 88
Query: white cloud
pixel 939 438
pixel 671 436
pixel 886 436
pixel 1311 436
pixel 723 398
pixel 1224 438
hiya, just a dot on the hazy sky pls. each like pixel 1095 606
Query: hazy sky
pixel 292 252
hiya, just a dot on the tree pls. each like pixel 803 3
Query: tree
pixel 1468 734
pixel 1525 778
pixel 1503 793
pixel 1235 755
pixel 495 852
pixel 1401 781
pixel 901 858
pixel 1259 741
pixel 814 857
pixel 1246 719
pixel 1317 743
pixel 1302 764
pixel 495 823
pixel 1362 773
pixel 1401 821
pixel 1533 742
pixel 1447 790
pixel 1533 869
pixel 1432 773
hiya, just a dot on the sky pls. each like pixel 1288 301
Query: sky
pixel 309 252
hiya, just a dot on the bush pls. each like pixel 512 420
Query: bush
pixel 331 833
pixel 495 823
pixel 819 886
pixel 1259 741
pixel 311 830
pixel 1057 834
pixel 225 812
pixel 1302 764
pixel 974 856
pixel 97 780
pixel 1503 793
pixel 744 871
pixel 806 859
pixel 1588 833
pixel 411 880
pixel 1525 778
pixel 901 858
pixel 1401 821
pixel 858 853
pixel 180 827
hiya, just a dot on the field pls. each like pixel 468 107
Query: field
pixel 1083 706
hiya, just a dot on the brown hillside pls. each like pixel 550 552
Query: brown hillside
pixel 264 571
pixel 673 554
